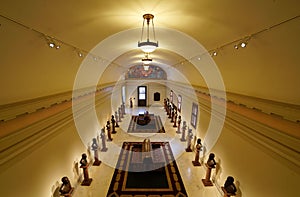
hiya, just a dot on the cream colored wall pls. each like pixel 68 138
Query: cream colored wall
pixel 38 170
pixel 42 168
pixel 256 171
pixel 257 166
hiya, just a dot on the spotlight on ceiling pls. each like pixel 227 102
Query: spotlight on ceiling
pixel 51 45
pixel 146 45
pixel 243 44
pixel 80 54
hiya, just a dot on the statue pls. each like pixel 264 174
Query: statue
pixel 123 108
pixel 175 120
pixel 120 114
pixel 170 111
pixel 189 139
pixel 113 123
pixel 168 108
pixel 131 103
pixel 183 132
pixel 103 138
pixel 165 104
pixel 108 131
pixel 197 155
pixel 229 188
pixel 211 163
pixel 173 114
pixel 146 154
pixel 66 189
pixel 95 147
pixel 116 115
pixel 211 160
pixel 84 165
pixel 178 127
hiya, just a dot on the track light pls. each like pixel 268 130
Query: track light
pixel 80 54
pixel 215 53
pixel 52 43
pixel 243 44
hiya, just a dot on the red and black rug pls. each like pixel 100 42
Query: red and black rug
pixel 136 175
pixel 153 125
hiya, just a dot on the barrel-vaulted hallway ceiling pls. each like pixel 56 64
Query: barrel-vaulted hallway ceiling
pixel 267 68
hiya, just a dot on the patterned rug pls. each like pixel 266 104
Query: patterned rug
pixel 153 126
pixel 131 178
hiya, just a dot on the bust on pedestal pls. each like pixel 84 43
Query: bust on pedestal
pixel 103 139
pixel 66 189
pixel 84 165
pixel 116 116
pixel 211 163
pixel 109 138
pixel 183 131
pixel 130 103
pixel 175 120
pixel 113 123
pixel 95 147
pixel 229 188
pixel 120 114
pixel 189 139
pixel 197 154
pixel 178 126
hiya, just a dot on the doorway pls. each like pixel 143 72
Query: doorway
pixel 142 96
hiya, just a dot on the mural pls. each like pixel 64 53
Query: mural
pixel 138 72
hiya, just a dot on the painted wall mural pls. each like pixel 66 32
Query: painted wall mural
pixel 138 72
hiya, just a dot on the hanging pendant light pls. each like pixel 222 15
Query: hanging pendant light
pixel 148 46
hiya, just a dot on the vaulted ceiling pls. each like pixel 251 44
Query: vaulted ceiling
pixel 267 68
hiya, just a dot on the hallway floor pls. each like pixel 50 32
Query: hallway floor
pixel 102 174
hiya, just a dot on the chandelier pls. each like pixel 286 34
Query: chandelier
pixel 148 46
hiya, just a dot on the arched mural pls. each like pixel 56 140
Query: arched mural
pixel 138 72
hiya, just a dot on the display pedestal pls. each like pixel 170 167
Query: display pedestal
pixel 86 181
pixel 183 135
pixel 226 194
pixel 178 128
pixel 97 162
pixel 188 149
pixel 196 163
pixel 207 182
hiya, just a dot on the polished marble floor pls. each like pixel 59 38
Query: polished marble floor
pixel 102 174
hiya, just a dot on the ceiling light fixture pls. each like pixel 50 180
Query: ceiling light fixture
pixel 243 44
pixel 51 45
pixel 148 46
pixel 146 60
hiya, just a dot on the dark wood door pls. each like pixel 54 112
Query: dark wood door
pixel 142 96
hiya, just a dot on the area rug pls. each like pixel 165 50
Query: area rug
pixel 153 126
pixel 131 177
